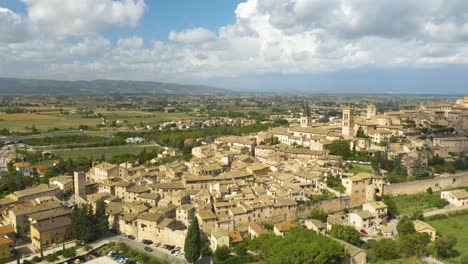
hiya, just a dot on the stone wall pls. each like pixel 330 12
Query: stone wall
pixel 437 184
pixel 329 206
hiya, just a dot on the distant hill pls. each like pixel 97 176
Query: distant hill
pixel 12 86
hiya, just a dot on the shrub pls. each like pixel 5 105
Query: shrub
pixel 206 251
pixel 222 253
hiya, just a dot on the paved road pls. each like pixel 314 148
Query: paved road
pixel 444 210
pixel 431 260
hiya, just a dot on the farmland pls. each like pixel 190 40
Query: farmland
pixel 97 152
pixel 22 122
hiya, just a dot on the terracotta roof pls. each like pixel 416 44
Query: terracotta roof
pixel 6 229
pixel 235 236
pixel 285 226
pixel 53 224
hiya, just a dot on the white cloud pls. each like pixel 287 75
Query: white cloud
pixel 12 26
pixel 192 36
pixel 84 17
pixel 267 37
pixel 132 43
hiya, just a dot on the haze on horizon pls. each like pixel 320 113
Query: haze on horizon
pixel 382 46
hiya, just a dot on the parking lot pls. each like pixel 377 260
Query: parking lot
pixel 158 252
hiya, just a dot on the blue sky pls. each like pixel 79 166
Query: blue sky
pixel 280 45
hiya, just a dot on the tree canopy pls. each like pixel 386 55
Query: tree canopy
pixel 346 233
pixel 193 244
pixel 299 245
pixel 340 148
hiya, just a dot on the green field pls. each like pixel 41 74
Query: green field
pixel 358 168
pixel 410 203
pixel 44 122
pixel 97 152
pixel 456 226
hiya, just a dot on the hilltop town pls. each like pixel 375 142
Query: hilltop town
pixel 356 175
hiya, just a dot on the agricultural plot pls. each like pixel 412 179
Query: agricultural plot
pixel 97 152
pixel 22 122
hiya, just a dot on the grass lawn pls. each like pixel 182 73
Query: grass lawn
pixel 456 226
pixel 97 152
pixel 358 168
pixel 409 203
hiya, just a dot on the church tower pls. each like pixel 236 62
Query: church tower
pixel 371 111
pixel 306 119
pixel 347 128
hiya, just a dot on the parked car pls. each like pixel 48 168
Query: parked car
pixel 170 247
pixel 131 237
pixel 123 234
pixel 364 232
pixel 148 249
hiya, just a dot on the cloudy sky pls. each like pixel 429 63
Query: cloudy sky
pixel 305 45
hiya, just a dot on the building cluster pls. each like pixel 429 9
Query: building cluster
pixel 240 183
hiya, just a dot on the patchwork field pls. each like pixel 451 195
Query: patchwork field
pixel 22 122
pixel 97 152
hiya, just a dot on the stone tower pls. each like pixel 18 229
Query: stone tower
pixel 79 179
pixel 347 128
pixel 306 119
pixel 371 111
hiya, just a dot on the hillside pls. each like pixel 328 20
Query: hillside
pixel 11 86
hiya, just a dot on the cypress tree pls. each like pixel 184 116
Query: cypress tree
pixel 192 244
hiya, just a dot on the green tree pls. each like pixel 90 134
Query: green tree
pixel 405 226
pixel 340 148
pixel 192 244
pixel 222 253
pixel 318 214
pixel 240 250
pixel 392 209
pixel 414 244
pixel 206 251
pixel 299 245
pixel 346 233
pixel 385 248
pixel 443 245
pixel 429 190
pixel 101 220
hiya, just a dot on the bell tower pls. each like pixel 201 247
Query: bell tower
pixel 371 111
pixel 306 119
pixel 347 128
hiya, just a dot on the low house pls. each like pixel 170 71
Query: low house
pixel 377 209
pixel 355 255
pixel 255 229
pixel 234 238
pixel 423 227
pixel 52 232
pixel 64 183
pixel 361 219
pixel 455 197
pixel 315 225
pixel 8 231
pixel 219 238
pixel 6 248
pixel 281 228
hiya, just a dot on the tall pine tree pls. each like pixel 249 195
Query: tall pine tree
pixel 192 245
